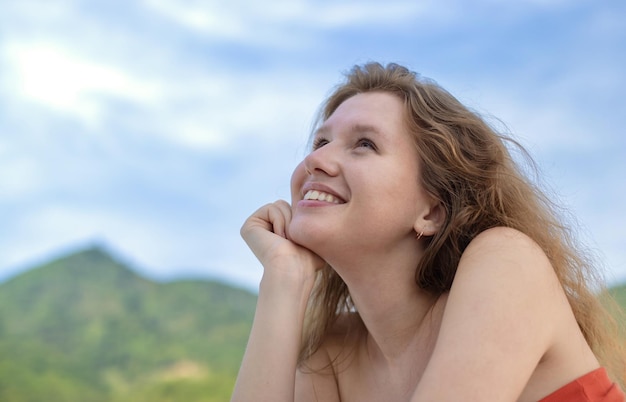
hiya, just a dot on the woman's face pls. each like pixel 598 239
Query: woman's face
pixel 359 188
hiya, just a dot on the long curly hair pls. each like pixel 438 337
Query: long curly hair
pixel 469 168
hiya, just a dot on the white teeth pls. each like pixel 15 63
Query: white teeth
pixel 321 196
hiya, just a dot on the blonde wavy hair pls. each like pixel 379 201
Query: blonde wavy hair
pixel 468 167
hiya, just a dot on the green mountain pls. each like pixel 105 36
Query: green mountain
pixel 85 328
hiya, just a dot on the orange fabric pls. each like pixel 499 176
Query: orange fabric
pixel 595 386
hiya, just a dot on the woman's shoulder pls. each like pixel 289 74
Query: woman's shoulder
pixel 505 311
pixel 501 236
pixel 504 263
pixel 499 248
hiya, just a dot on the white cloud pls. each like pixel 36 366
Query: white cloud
pixel 273 22
pixel 183 104
pixel 214 110
pixel 53 76
pixel 217 20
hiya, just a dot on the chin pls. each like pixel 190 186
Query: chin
pixel 306 235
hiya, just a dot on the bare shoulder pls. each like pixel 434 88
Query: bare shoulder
pixel 506 238
pixel 505 266
pixel 509 252
pixel 316 378
pixel 500 319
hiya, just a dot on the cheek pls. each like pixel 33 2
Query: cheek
pixel 297 179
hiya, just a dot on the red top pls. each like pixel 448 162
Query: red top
pixel 595 386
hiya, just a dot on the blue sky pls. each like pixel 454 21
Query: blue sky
pixel 156 127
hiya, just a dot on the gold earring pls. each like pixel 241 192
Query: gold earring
pixel 419 236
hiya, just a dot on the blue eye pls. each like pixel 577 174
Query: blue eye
pixel 366 143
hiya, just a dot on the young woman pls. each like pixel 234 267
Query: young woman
pixel 417 263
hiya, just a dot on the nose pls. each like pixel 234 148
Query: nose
pixel 322 161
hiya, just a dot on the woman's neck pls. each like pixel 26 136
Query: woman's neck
pixel 393 309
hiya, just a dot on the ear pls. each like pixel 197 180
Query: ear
pixel 431 220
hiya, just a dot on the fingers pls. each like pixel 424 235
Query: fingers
pixel 265 232
pixel 272 217
pixel 280 216
pixel 267 227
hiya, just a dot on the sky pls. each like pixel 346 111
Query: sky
pixel 154 128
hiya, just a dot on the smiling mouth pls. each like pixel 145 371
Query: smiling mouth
pixel 316 195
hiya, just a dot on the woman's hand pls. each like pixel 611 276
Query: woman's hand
pixel 266 233
pixel 268 369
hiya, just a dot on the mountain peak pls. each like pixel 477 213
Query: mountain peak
pixel 90 323
pixel 93 264
pixel 95 252
pixel 94 255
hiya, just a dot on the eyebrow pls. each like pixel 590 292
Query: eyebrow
pixel 357 128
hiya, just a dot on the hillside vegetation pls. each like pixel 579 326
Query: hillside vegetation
pixel 86 328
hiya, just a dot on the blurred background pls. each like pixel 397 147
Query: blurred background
pixel 136 136
pixel 153 128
